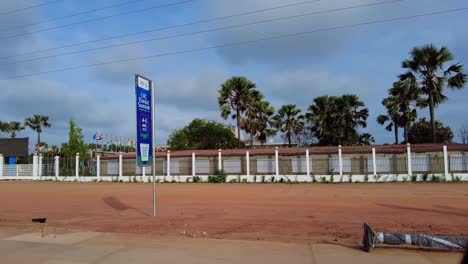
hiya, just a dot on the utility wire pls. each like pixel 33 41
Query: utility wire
pixel 200 32
pixel 160 29
pixel 243 42
pixel 29 7
pixel 71 15
pixel 99 18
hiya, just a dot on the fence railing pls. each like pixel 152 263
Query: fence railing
pixel 303 165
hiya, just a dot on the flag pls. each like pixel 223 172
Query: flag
pixel 95 136
pixel 130 143
pixel 100 137
pixel 110 140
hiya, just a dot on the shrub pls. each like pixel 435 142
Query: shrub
pixel 135 180
pixel 244 180
pixel 437 179
pixel 425 176
pixel 196 179
pixel 263 179
pixel 366 178
pixel 281 180
pixel 219 177
pixel 233 181
pixel 413 178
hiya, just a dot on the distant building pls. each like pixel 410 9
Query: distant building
pixel 13 148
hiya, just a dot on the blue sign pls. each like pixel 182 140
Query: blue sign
pixel 144 107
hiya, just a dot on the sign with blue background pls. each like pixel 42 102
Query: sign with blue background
pixel 144 107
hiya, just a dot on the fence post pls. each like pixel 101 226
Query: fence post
pixel 40 166
pixel 340 161
pixel 307 163
pixel 1 165
pixel 168 164
pixel 120 166
pixel 35 160
pixel 77 166
pixel 374 162
pixel 220 161
pixel 276 162
pixel 247 163
pixel 408 156
pixel 194 164
pixel 98 167
pixel 57 166
pixel 448 177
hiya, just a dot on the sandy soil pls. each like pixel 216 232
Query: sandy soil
pixel 298 213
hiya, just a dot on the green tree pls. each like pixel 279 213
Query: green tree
pixel 335 120
pixel 3 127
pixel 202 134
pixel 420 132
pixel 13 128
pixel 392 117
pixel 36 123
pixel 234 96
pixel 428 66
pixel 258 121
pixel 366 139
pixel 289 121
pixel 75 143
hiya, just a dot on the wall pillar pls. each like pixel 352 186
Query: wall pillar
pixel 77 166
pixel 247 163
pixel 168 164
pixel 307 163
pixel 120 165
pixel 408 156
pixel 35 166
pixel 194 164
pixel 220 161
pixel 340 161
pixel 448 177
pixel 98 167
pixel 57 166
pixel 276 162
pixel 40 166
pixel 1 165
pixel 374 162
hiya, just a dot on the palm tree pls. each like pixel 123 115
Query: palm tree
pixel 392 116
pixel 406 94
pixel 259 121
pixel 36 123
pixel 351 114
pixel 3 126
pixel 321 116
pixel 234 96
pixel 427 66
pixel 14 127
pixel 249 121
pixel 289 121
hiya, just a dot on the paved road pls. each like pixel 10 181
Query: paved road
pixel 53 246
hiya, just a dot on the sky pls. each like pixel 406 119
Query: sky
pixel 363 60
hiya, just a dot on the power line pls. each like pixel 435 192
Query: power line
pixel 98 18
pixel 29 7
pixel 160 29
pixel 243 42
pixel 72 15
pixel 202 31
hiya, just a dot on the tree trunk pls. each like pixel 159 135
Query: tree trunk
pixel 431 110
pixel 289 139
pixel 238 128
pixel 406 133
pixel 396 134
pixel 251 140
pixel 38 138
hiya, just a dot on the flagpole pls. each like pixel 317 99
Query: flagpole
pixel 153 149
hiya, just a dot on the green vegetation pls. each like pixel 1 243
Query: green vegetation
pixel 36 123
pixel 219 177
pixel 289 121
pixel 421 132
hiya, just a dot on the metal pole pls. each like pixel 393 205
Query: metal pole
pixel 446 165
pixel 153 137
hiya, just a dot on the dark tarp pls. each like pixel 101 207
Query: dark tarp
pixel 14 147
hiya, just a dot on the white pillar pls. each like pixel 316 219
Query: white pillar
pixel 374 162
pixel 40 165
pixel 340 160
pixel 1 165
pixel 168 164
pixel 143 172
pixel 120 165
pixel 35 161
pixel 77 165
pixel 220 161
pixel 57 166
pixel 307 163
pixel 98 167
pixel 247 163
pixel 408 156
pixel 448 177
pixel 276 162
pixel 194 164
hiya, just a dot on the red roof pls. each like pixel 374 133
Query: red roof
pixel 387 149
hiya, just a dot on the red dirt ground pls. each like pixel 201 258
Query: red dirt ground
pixel 297 213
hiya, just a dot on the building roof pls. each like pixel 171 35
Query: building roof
pixel 387 149
pixel 14 147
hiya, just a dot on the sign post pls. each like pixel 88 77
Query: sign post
pixel 144 90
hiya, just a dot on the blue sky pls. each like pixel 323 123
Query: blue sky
pixel 363 60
